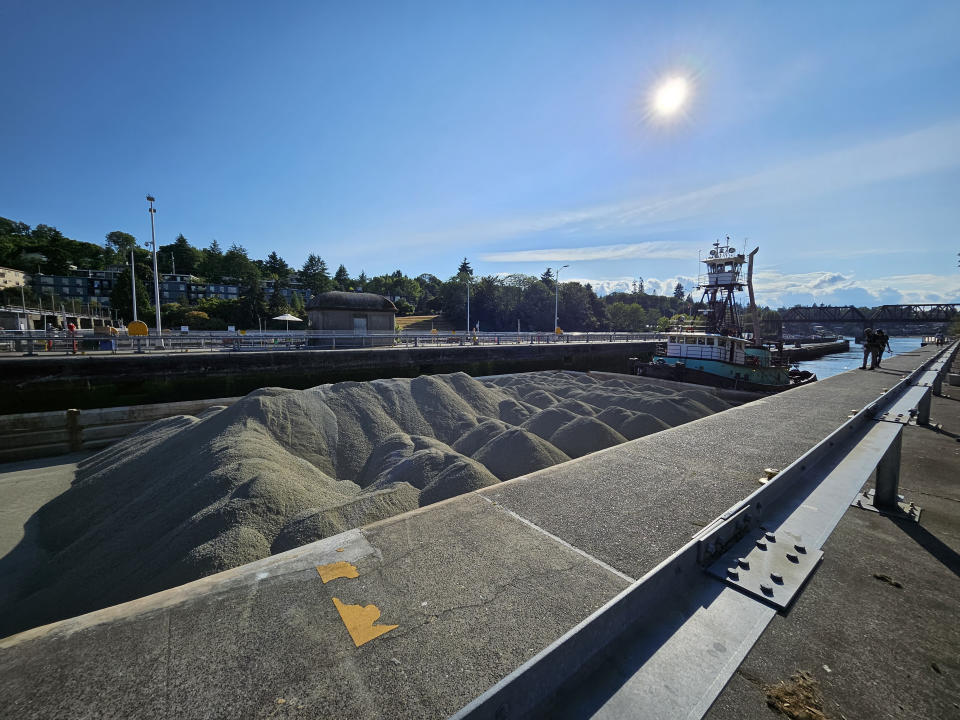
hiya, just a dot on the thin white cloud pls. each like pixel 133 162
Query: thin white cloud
pixel 774 288
pixel 777 289
pixel 651 286
pixel 906 155
pixel 627 251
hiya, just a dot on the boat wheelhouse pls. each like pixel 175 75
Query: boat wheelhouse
pixel 720 355
pixel 706 346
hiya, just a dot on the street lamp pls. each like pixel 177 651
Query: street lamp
pixel 133 284
pixel 156 277
pixel 556 300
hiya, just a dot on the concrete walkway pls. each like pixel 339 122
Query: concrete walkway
pixel 416 615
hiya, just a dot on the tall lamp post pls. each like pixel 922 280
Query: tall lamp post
pixel 156 277
pixel 133 284
pixel 556 300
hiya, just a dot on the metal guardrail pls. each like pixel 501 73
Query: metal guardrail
pixel 40 341
pixel 666 646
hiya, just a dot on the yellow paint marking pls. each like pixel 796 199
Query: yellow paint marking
pixel 340 549
pixel 360 620
pixel 339 569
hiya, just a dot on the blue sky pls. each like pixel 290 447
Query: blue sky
pixel 408 135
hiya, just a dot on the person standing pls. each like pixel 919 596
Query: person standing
pixel 881 342
pixel 867 347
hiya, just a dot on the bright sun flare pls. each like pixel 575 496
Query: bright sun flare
pixel 670 96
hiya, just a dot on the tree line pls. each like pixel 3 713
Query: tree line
pixel 497 303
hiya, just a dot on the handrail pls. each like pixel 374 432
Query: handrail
pixel 680 632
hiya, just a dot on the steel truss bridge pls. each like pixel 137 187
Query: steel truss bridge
pixel 931 313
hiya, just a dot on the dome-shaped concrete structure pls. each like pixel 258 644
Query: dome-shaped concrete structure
pixel 353 314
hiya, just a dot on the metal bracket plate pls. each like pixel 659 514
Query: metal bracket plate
pixel 902 511
pixel 720 535
pixel 771 567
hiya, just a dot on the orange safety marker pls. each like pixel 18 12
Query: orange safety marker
pixel 339 569
pixel 360 621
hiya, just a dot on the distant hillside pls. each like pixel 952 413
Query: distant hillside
pixel 423 324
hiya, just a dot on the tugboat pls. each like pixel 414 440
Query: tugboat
pixel 719 355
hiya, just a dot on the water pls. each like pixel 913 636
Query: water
pixel 830 365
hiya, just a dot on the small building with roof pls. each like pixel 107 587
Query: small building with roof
pixel 353 314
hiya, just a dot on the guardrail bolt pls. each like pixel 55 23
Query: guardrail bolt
pixel 733 574
pixel 744 563
pixel 800 548
pixel 766 589
pixel 770 536
pixel 777 578
pixel 761 544
pixel 792 558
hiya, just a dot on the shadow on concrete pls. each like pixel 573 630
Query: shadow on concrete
pixel 16 576
pixel 941 431
pixel 931 543
pixel 44 462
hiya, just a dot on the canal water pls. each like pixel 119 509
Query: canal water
pixel 841 362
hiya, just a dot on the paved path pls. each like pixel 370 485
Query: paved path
pixel 475 586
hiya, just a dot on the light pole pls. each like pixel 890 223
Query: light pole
pixel 133 284
pixel 556 300
pixel 156 276
pixel 468 306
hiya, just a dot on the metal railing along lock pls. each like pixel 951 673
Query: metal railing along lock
pixel 667 645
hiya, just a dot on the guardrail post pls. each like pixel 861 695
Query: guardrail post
pixel 888 475
pixel 73 430
pixel 923 408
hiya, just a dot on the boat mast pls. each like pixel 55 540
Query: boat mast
pixel 753 302
pixel 724 264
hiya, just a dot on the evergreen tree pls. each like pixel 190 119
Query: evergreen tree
pixel 297 306
pixel 679 292
pixel 547 278
pixel 211 263
pixel 276 265
pixel 314 275
pixel 185 257
pixel 121 298
pixel 465 270
pixel 253 303
pixel 341 279
pixel 362 281
pixel 278 303
pixel 236 262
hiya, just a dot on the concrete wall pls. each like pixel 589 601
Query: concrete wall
pixel 42 434
pixel 42 383
pixel 343 320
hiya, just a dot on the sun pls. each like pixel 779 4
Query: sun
pixel 670 96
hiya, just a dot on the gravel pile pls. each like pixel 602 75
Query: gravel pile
pixel 187 497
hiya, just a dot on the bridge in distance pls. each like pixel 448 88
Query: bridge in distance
pixel 928 313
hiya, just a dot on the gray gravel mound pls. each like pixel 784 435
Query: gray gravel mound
pixel 584 435
pixel 190 496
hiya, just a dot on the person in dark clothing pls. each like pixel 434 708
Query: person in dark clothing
pixel 867 347
pixel 881 342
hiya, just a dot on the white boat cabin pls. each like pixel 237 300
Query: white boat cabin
pixel 707 346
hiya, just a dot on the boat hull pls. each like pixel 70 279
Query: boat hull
pixel 723 375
